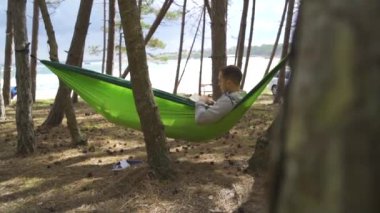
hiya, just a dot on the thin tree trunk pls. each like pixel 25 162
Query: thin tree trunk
pixel 190 51
pixel 24 121
pixel 202 50
pixel 241 39
pixel 180 47
pixel 53 46
pixel 120 52
pixel 56 114
pixel 75 57
pixel 33 59
pixel 2 106
pixel 208 7
pixel 277 38
pixel 158 20
pixel 249 44
pixel 140 6
pixel 8 54
pixel 218 34
pixel 153 28
pixel 111 37
pixel 330 151
pixel 285 50
pixel 151 125
pixel 104 34
pixel 62 103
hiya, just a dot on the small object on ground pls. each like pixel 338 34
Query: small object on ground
pixel 134 162
pixel 13 92
pixel 90 174
pixel 123 164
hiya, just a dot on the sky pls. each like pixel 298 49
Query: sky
pixel 267 19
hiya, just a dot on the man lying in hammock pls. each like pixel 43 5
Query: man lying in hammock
pixel 208 110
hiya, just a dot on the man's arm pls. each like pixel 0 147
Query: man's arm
pixel 208 114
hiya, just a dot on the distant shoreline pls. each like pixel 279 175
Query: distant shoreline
pixel 264 50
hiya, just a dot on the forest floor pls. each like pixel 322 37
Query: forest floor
pixel 59 177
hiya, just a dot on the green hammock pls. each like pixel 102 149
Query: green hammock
pixel 112 97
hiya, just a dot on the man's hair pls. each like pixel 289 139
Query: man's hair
pixel 233 73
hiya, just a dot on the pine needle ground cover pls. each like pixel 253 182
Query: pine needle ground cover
pixel 210 177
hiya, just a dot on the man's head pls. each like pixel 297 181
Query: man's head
pixel 229 78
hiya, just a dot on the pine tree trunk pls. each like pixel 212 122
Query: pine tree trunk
pixel 249 44
pixel 202 50
pixel 53 51
pixel 176 80
pixel 330 157
pixel 218 34
pixel 158 20
pixel 2 106
pixel 8 54
pixel 151 125
pixel 33 59
pixel 56 114
pixel 24 120
pixel 285 50
pixel 62 103
pixel 111 37
pixel 277 38
pixel 241 39
pixel 104 35
pixel 120 52
pixel 208 7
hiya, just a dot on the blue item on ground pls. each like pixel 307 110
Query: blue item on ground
pixel 13 91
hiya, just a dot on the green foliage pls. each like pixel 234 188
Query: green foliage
pixel 156 44
pixel 173 15
pixel 144 25
pixel 94 50
pixel 264 50
pixel 158 58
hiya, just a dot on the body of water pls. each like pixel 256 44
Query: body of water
pixel 161 74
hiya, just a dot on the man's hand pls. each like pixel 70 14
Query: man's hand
pixel 207 100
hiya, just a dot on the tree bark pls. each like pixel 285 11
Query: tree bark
pixel 330 150
pixel 151 125
pixel 202 50
pixel 241 38
pixel 8 54
pixel 157 21
pixel 285 50
pixel 33 59
pixel 208 7
pixel 190 51
pixel 104 34
pixel 2 106
pixel 277 38
pixel 111 37
pixel 56 114
pixel 176 82
pixel 62 103
pixel 24 120
pixel 52 42
pixel 218 34
pixel 120 52
pixel 249 44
